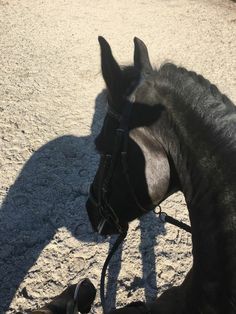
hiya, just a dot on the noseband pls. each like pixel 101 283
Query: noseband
pixel 108 164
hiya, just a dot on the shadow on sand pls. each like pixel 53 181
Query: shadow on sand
pixel 49 193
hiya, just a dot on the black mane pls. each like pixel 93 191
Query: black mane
pixel 204 118
pixel 205 101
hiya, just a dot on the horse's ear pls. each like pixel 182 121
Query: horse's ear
pixel 111 71
pixel 141 58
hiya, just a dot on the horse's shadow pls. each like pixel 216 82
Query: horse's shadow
pixel 49 193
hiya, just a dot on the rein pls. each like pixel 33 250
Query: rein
pixel 114 248
pixel 166 218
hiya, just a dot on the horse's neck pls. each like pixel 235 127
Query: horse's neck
pixel 196 126
pixel 210 197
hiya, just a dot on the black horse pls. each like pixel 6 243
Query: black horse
pixel 167 130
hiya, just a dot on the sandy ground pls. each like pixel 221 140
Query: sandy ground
pixel 51 108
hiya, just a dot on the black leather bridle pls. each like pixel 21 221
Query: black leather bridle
pixel 108 165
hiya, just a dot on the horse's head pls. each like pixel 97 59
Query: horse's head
pixel 134 171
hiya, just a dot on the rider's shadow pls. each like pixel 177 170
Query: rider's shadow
pixel 49 193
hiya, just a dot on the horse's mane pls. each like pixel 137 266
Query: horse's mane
pixel 208 112
pixel 203 97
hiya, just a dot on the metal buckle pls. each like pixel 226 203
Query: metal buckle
pixel 162 215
